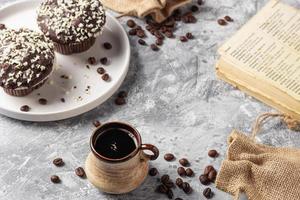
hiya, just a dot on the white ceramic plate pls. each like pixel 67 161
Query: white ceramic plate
pixel 77 101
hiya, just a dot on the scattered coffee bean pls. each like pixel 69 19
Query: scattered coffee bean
pixel 204 179
pixel 200 2
pixel 184 162
pixel 162 189
pixel 140 33
pixel 178 199
pixel 170 194
pixel 222 22
pixel 132 32
pixel 43 101
pixel 183 39
pixel 169 157
pixel 142 42
pixel 25 108
pixel 189 172
pixel 153 172
pixel 213 153
pixel 101 70
pixel 228 18
pixel 96 123
pixel 107 45
pixel 154 47
pixel 2 26
pixel 131 23
pixel 194 8
pixel 181 171
pixel 103 61
pixel 212 175
pixel 55 179
pixel 87 66
pixel 189 36
pixel 92 60
pixel 179 182
pixel 169 184
pixel 62 100
pixel 169 34
pixel 58 162
pixel 165 178
pixel 159 42
pixel 186 187
pixel 105 77
pixel 208 169
pixel 80 172
pixel 208 193
pixel 122 94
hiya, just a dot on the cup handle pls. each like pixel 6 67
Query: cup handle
pixel 152 148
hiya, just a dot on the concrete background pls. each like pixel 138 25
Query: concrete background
pixel 175 101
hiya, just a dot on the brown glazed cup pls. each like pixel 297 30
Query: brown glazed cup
pixel 118 176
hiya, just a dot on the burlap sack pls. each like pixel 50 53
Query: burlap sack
pixel 262 172
pixel 158 9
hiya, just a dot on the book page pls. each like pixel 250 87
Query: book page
pixel 268 47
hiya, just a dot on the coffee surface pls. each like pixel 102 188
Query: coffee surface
pixel 115 144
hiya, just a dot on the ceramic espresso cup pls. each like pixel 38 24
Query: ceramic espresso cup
pixel 122 174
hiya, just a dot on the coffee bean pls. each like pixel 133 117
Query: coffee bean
pixel 170 194
pixel 170 22
pixel 142 42
pixel 162 189
pixel 148 27
pixel 153 172
pixel 58 162
pixel 189 36
pixel 200 2
pixel 228 18
pixel 43 101
pixel 212 175
pixel 140 33
pixel 183 39
pixel 130 23
pixel 103 61
pixel 181 171
pixel 222 22
pixel 165 178
pixel 213 153
pixel 184 162
pixel 132 32
pixel 207 193
pixel 120 101
pixel 139 28
pixel 2 26
pixel 169 184
pixel 92 60
pixel 194 8
pixel 179 182
pixel 178 199
pixel 204 179
pixel 101 70
pixel 55 179
pixel 169 34
pixel 62 100
pixel 96 123
pixel 154 47
pixel 189 172
pixel 169 157
pixel 105 77
pixel 158 35
pixel 25 108
pixel 80 172
pixel 186 188
pixel 107 45
pixel 208 169
pixel 122 94
pixel 159 42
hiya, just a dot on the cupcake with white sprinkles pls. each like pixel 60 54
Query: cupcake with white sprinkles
pixel 26 60
pixel 72 25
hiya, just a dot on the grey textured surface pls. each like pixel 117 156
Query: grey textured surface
pixel 175 101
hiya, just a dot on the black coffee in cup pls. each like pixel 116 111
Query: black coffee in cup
pixel 115 143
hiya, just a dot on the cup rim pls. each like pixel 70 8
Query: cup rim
pixel 129 156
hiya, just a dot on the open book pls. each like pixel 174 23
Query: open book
pixel 263 58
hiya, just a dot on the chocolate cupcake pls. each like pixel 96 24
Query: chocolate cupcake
pixel 72 25
pixel 26 60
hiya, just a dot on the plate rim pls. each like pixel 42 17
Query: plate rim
pixel 61 115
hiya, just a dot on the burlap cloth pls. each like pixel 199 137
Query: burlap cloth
pixel 158 9
pixel 262 172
